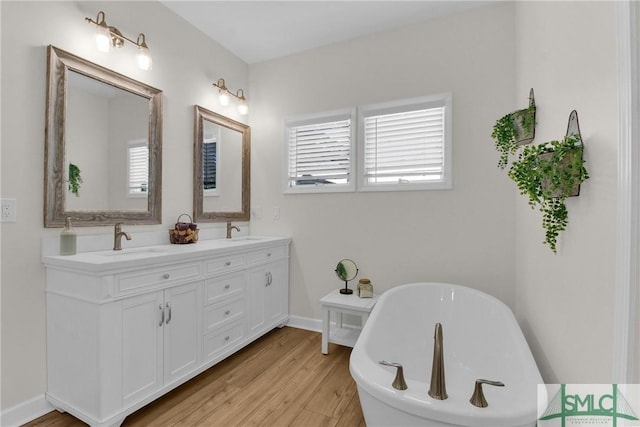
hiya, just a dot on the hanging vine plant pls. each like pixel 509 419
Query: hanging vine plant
pixel 74 179
pixel 514 129
pixel 548 174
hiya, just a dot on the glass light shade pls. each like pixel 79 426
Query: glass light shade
pixel 103 38
pixel 144 59
pixel 223 97
pixel 243 108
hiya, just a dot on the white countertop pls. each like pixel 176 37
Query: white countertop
pixel 101 261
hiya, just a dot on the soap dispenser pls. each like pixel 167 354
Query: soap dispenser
pixel 68 239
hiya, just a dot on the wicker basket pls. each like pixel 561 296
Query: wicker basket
pixel 184 232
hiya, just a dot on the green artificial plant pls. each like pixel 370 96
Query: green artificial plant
pixel 547 174
pixel 74 179
pixel 511 130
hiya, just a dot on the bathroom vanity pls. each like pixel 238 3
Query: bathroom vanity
pixel 125 327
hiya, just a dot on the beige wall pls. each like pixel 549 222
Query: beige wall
pixel 564 302
pixel 185 63
pixel 464 235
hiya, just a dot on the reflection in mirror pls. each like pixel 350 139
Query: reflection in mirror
pixel 106 139
pixel 346 270
pixel 103 145
pixel 221 168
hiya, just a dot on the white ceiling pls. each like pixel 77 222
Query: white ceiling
pixel 257 31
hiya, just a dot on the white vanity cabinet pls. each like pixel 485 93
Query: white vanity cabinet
pixel 267 296
pixel 125 328
pixel 160 339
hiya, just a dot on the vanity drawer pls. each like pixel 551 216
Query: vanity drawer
pixel 267 254
pixel 218 288
pixel 131 282
pixel 215 343
pixel 218 315
pixel 220 265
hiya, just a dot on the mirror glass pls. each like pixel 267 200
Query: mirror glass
pixel 221 168
pixel 346 270
pixel 103 145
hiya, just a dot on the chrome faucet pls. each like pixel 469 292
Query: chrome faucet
pixel 117 237
pixel 438 388
pixel 231 227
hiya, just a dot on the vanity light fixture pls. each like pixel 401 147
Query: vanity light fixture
pixel 224 95
pixel 108 37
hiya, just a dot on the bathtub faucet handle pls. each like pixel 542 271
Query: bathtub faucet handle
pixel 398 382
pixel 478 395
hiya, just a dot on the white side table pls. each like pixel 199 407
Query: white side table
pixel 343 304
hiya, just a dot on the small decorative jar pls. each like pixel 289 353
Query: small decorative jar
pixel 365 288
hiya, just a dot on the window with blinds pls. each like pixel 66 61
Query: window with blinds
pixel 209 156
pixel 138 168
pixel 320 153
pixel 405 145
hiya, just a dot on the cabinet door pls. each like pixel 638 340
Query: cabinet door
pixel 181 330
pixel 277 292
pixel 142 343
pixel 257 283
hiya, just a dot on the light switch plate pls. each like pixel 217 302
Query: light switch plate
pixel 8 208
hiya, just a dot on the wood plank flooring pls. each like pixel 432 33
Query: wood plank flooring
pixel 280 380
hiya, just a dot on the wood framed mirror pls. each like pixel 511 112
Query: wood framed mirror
pixel 103 145
pixel 221 168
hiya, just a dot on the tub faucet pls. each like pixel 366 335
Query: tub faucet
pixel 231 227
pixel 438 388
pixel 117 237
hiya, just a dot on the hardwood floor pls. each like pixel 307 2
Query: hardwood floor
pixel 280 380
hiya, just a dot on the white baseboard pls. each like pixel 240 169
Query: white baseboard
pixel 307 323
pixel 25 412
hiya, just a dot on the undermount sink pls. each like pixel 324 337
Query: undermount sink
pixel 132 252
pixel 244 239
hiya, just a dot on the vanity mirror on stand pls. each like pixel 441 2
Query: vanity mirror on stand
pixel 221 167
pixel 103 145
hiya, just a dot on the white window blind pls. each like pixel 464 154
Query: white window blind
pixel 404 146
pixel 319 153
pixel 209 159
pixel 138 167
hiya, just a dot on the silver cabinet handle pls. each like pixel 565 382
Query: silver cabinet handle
pixel 268 254
pixel 166 276
pixel 169 315
pixel 226 338
pixel 226 313
pixel 161 315
pixel 227 286
pixel 270 278
pixel 228 263
pixel 266 277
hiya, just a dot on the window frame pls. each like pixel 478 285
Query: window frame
pixel 426 102
pixel 136 143
pixel 319 118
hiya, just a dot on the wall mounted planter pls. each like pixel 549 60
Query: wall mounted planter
pixel 514 129
pixel 548 174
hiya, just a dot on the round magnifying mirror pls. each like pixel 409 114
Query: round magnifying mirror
pixel 346 270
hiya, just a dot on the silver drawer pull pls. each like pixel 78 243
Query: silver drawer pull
pixel 227 286
pixel 268 253
pixel 226 338
pixel 227 312
pixel 166 276
pixel 228 263
pixel 161 315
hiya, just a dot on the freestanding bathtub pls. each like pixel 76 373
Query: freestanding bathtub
pixel 481 339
